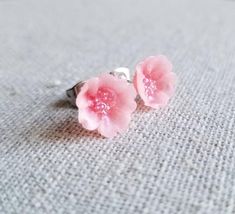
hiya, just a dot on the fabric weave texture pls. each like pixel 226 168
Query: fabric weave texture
pixel 180 159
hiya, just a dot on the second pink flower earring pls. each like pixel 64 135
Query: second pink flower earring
pixel 105 103
pixel 155 81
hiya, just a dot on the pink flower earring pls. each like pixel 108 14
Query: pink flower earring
pixel 105 102
pixel 155 81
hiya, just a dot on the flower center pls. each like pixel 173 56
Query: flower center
pixel 104 100
pixel 150 87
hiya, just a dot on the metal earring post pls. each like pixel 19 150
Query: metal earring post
pixel 73 92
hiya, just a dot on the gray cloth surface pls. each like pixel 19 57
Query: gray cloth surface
pixel 180 159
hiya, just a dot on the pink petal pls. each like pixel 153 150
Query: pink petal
pixel 90 87
pixel 159 100
pixel 88 119
pixel 115 123
pixel 139 85
pixel 109 81
pixel 161 66
pixel 121 120
pixel 107 128
pixel 167 83
pixel 93 85
pixel 126 100
pixel 81 100
pixel 149 64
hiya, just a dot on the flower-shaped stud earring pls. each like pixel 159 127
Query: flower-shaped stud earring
pixel 155 81
pixel 105 103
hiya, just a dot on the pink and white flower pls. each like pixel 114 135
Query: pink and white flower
pixel 106 103
pixel 155 81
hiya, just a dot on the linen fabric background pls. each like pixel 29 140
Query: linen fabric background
pixel 180 159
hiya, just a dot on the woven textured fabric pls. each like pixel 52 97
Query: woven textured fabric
pixel 180 159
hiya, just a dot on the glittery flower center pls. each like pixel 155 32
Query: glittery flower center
pixel 150 87
pixel 104 100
